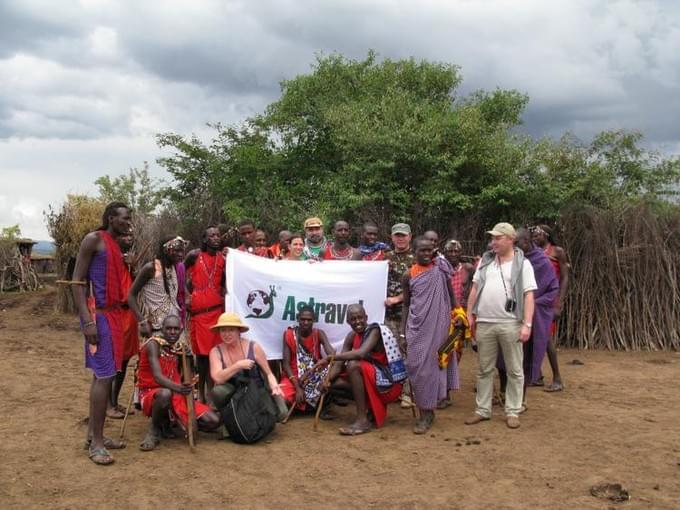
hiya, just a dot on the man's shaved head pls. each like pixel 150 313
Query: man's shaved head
pixel 172 320
pixel 356 308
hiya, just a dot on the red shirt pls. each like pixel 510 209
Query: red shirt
pixel 169 367
pixel 206 280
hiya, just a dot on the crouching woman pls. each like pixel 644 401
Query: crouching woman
pixel 235 354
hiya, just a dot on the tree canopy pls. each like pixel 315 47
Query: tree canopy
pixel 387 141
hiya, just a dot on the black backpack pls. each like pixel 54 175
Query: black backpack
pixel 250 415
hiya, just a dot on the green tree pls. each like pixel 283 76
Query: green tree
pixel 391 140
pixel 381 140
pixel 137 189
pixel 612 171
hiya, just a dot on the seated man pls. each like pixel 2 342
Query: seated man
pixel 301 350
pixel 161 392
pixel 363 369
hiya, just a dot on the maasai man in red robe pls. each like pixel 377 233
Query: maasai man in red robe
pixel 125 345
pixel 205 286
pixel 302 347
pixel 161 391
pixel 99 268
pixel 362 369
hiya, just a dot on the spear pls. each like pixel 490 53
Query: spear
pixel 323 395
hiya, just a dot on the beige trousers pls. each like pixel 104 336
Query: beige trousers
pixel 489 336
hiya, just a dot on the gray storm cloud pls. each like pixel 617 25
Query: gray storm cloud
pixel 95 73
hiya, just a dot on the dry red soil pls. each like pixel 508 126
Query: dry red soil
pixel 617 421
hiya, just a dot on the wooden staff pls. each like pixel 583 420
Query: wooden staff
pixel 323 395
pixel 129 404
pixel 414 408
pixel 290 412
pixel 292 409
pixel 186 376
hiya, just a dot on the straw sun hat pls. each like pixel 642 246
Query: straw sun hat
pixel 230 320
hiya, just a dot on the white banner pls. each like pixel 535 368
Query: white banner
pixel 267 294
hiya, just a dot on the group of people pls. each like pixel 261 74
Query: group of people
pixel 505 303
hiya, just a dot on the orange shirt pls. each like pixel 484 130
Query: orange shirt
pixel 417 269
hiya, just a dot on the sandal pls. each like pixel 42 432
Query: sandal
pixel 443 403
pixel 149 442
pixel 115 414
pixel 352 430
pixel 554 387
pixel 109 442
pixel 100 456
pixel 424 423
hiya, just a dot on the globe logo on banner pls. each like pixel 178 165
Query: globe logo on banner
pixel 260 304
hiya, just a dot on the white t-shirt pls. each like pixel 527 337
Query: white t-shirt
pixel 491 306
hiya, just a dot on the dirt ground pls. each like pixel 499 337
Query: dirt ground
pixel 616 422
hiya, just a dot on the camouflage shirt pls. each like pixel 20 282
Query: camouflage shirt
pixel 399 263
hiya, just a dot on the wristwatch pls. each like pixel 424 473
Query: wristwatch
pixel 527 324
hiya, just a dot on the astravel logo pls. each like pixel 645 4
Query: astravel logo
pixel 260 304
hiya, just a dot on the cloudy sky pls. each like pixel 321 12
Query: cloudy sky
pixel 86 84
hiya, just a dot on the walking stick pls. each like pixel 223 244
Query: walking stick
pixel 129 404
pixel 323 396
pixel 414 410
pixel 292 408
pixel 186 376
pixel 290 412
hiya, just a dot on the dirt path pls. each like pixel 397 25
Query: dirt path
pixel 617 422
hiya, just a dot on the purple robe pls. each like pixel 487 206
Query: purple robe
pixel 427 327
pixel 547 290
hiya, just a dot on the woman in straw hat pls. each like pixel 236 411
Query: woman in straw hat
pixel 234 354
